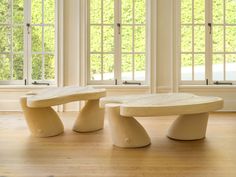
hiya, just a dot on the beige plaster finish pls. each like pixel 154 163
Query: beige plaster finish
pixel 125 131
pixel 43 121
pixel 192 110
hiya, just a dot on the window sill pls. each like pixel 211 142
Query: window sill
pixel 208 87
pixel 121 86
pixel 26 86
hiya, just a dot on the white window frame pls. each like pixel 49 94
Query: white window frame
pixel 208 46
pixel 117 38
pixel 27 52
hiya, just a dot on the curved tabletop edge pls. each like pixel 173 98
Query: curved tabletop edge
pixel 48 98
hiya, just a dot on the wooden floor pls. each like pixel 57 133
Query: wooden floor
pixel 93 155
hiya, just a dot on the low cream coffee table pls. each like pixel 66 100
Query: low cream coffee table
pixel 43 121
pixel 191 124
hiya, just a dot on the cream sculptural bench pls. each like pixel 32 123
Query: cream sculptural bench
pixel 191 124
pixel 43 121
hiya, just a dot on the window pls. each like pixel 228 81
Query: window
pixel 208 43
pixel 27 47
pixel 117 49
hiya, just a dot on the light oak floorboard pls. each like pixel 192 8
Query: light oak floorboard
pixel 93 155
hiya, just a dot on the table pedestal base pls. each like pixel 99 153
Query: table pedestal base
pixel 189 127
pixel 90 118
pixel 42 122
pixel 126 132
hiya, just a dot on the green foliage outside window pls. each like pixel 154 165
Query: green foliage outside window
pixel 12 39
pixel 129 43
pixel 199 31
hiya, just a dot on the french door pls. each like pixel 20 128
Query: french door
pixel 207 41
pixel 28 38
pixel 117 46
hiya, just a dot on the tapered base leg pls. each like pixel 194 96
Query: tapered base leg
pixel 126 132
pixel 189 127
pixel 90 118
pixel 42 122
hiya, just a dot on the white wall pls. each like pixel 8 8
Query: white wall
pixel 71 48
pixel 165 43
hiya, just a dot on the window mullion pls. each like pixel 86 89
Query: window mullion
pixel 224 70
pixel 133 28
pixel 208 47
pixel 29 47
pixel 11 42
pixel 55 53
pixel 43 47
pixel 193 25
pixel 27 42
pixel 102 9
pixel 117 62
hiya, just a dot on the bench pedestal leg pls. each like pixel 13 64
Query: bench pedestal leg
pixel 189 127
pixel 126 132
pixel 42 122
pixel 90 118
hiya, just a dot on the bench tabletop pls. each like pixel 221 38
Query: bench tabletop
pixel 62 95
pixel 163 104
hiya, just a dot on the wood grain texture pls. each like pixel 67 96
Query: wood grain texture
pixel 93 155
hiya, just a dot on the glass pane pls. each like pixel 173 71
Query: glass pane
pixel 95 11
pixel 18 11
pixel 139 39
pixel 95 67
pixel 127 38
pixel 218 11
pixel 199 38
pixel 230 10
pixel 199 67
pixel 140 11
pixel 5 67
pixel 108 39
pixel 218 67
pixel 127 11
pixel 49 11
pixel 230 67
pixel 230 38
pixel 186 11
pixel 108 11
pixel 18 66
pixel 127 67
pixel 186 38
pixel 186 67
pixel 5 36
pixel 37 67
pixel 49 62
pixel 37 38
pixel 49 38
pixel 108 67
pixel 36 11
pixel 218 39
pixel 199 11
pixel 139 65
pixel 18 39
pixel 5 11
pixel 95 39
